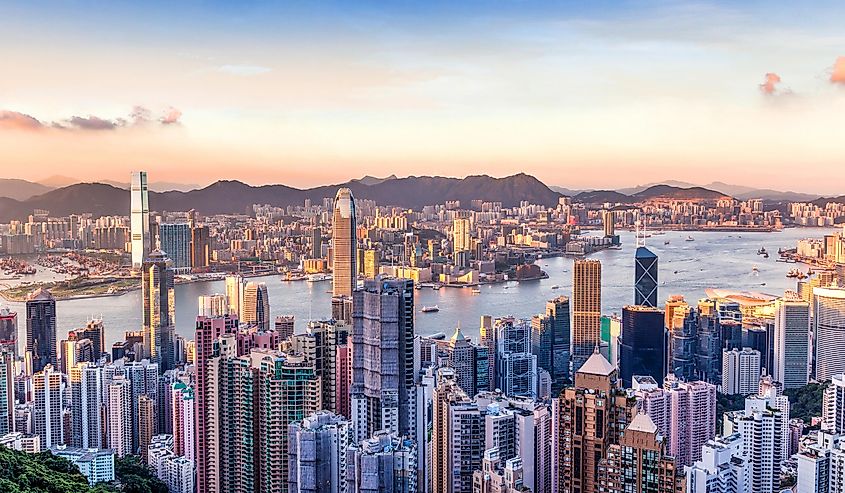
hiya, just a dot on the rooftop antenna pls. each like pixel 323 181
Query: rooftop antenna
pixel 640 232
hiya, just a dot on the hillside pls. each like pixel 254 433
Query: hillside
pixel 14 188
pixel 237 197
pixel 672 192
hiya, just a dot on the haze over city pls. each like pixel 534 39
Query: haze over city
pixel 311 94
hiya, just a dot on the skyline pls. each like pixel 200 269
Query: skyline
pixel 307 95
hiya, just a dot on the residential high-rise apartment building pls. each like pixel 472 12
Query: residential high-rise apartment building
pixel 317 453
pixel 175 242
pixel 833 405
pixel 723 468
pixel 516 365
pixel 319 345
pixel 550 341
pixel 344 244
pixel 94 331
pixel 586 310
pixel 642 343
pixel 49 391
pixel 256 305
pixel 146 423
pixel 497 475
pixel 457 437
pixel 119 417
pixel 684 413
pixel 200 247
pixel 7 391
pixel 461 239
pixel 762 429
pixel 86 390
pixel 384 463
pixel 212 305
pixel 740 371
pixel 590 418
pixel 792 341
pixel 8 330
pixel 639 462
pixel 41 330
pixel 645 277
pixel 159 309
pixel 383 357
pixel 829 331
pixel 140 220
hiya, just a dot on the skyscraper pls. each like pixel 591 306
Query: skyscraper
pixel 200 247
pixel 792 341
pixel 49 404
pixel 590 418
pixel 41 330
pixel 384 463
pixel 140 220
pixel 645 277
pixel 319 345
pixel 316 242
pixel 461 234
pixel 9 330
pixel 642 344
pixel 119 417
pixel 586 310
pixel 383 357
pixel 550 341
pixel 344 244
pixel 235 294
pixel 829 331
pixel 516 366
pixel 159 309
pixel 7 391
pixel 256 305
pixel 86 390
pixel 146 423
pixel 175 240
pixel 762 430
pixel 740 371
pixel 497 475
pixel 213 305
pixel 317 453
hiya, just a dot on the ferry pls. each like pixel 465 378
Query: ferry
pixel 755 269
pixel 430 309
pixel 762 251
pixel 319 277
pixel 666 242
pixel 476 290
pixel 555 287
pixel 794 273
pixel 690 238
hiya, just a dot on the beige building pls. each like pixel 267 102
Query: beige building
pixel 586 310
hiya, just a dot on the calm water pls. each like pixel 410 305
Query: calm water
pixel 714 259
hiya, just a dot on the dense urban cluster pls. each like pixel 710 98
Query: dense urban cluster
pixel 570 400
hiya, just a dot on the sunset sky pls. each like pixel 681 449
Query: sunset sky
pixel 611 95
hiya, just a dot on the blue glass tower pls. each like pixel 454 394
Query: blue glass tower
pixel 645 277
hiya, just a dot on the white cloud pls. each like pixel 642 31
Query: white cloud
pixel 244 70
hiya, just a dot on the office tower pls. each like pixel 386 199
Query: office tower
pixel 146 423
pixel 159 309
pixel 461 239
pixel 792 341
pixel 708 356
pixel 723 468
pixel 608 223
pixel 590 417
pixel 829 331
pixel 342 308
pixel 833 405
pixel 383 357
pixel 175 240
pixel 41 330
pixel 639 462
pixel 207 331
pixel 9 330
pixel 683 334
pixel 642 343
pixel 213 305
pixel 316 242
pixel 95 332
pixel 317 453
pixel 550 341
pixel 319 345
pixel 235 294
pixel 344 244
pixel 487 338
pixel 516 366
pixel 457 436
pixel 119 417
pixel 256 305
pixel 461 358
pixel 761 427
pixel 384 463
pixel 645 277
pixel 740 371
pixel 140 220
pixel 74 351
pixel 684 413
pixel 586 310
pixel 86 390
pixel 284 326
pixel 496 477
pixel 7 391
pixel 343 377
pixel 49 404
pixel 200 247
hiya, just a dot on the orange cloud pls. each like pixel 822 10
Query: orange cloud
pixel 139 115
pixel 13 120
pixel 838 74
pixel 769 87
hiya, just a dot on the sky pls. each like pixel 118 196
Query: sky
pixel 305 93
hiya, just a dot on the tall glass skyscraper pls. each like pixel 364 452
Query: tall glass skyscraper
pixel 645 277
pixel 829 331
pixel 344 244
pixel 41 329
pixel 256 305
pixel 159 309
pixel 642 344
pixel 140 220
pixel 176 243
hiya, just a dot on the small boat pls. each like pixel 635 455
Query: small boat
pixel 755 269
pixel 765 255
pixel 555 287
pixel 762 284
pixel 476 290
pixel 675 272
pixel 430 309
pixel 319 277
pixel 794 273
pixel 666 242
pixel 437 287
pixel 690 238
pixel 762 251
pixel 810 271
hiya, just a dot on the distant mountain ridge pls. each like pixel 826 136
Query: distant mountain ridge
pixel 652 192
pixel 14 188
pixel 236 197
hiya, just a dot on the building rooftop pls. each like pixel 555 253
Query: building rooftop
pixel 597 365
pixel 642 422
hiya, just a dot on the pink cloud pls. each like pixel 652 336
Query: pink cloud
pixel 769 87
pixel 171 116
pixel 13 120
pixel 838 74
